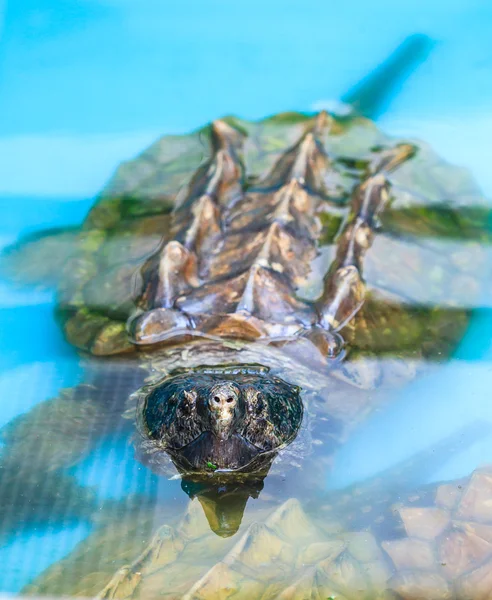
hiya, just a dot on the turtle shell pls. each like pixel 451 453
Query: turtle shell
pixel 423 268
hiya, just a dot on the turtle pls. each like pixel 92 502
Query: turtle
pixel 242 298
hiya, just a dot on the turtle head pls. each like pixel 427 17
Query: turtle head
pixel 224 420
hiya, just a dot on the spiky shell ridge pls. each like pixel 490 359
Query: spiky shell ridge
pixel 427 254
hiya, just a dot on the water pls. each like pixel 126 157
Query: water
pixel 54 157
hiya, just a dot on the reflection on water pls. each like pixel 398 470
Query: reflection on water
pixel 336 544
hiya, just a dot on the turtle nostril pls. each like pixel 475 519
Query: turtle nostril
pixel 217 399
pixel 230 399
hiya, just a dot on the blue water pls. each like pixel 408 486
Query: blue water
pixel 86 85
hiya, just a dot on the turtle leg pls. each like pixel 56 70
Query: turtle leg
pixel 39 446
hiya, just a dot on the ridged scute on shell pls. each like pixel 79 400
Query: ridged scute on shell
pixel 298 224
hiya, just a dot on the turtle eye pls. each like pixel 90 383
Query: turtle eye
pixel 260 405
pixel 189 401
pixel 256 403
